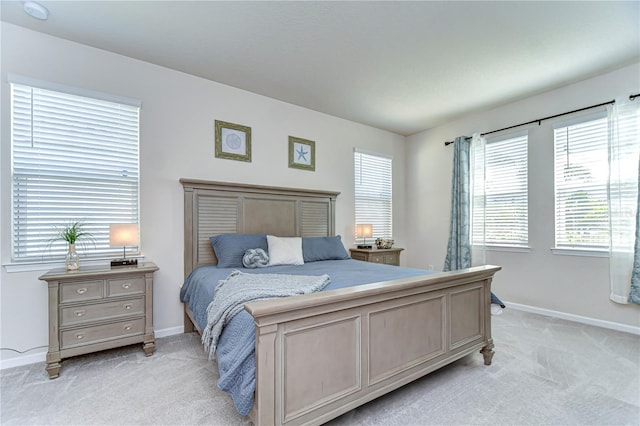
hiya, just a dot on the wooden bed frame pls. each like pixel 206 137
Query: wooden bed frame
pixel 323 354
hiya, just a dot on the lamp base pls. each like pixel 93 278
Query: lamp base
pixel 118 263
pixel 365 246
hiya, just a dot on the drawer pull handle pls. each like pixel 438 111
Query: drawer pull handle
pixel 81 290
pixel 126 306
pixel 79 336
pixel 126 285
pixel 127 327
pixel 79 313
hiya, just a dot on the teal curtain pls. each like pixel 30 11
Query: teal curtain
pixel 634 293
pixel 459 246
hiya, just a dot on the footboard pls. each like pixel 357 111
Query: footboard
pixel 323 354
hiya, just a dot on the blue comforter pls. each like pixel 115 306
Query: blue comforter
pixel 236 347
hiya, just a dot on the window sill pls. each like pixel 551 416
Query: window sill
pixel 580 252
pixel 513 249
pixel 45 266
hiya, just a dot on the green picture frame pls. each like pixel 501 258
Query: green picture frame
pixel 232 141
pixel 302 153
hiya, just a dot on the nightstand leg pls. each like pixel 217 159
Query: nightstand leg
pixel 149 348
pixel 54 363
pixel 53 368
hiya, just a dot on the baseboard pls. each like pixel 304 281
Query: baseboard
pixel 23 360
pixel 41 357
pixel 576 318
pixel 168 331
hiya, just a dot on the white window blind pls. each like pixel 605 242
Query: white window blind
pixel 581 175
pixel 373 193
pixel 501 207
pixel 75 158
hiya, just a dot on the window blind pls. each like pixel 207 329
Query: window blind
pixel 501 208
pixel 373 193
pixel 75 158
pixel 581 175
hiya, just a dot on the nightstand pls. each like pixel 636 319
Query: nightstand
pixel 99 308
pixel 387 256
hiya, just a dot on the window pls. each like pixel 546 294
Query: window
pixel 74 158
pixel 581 174
pixel 373 194
pixel 500 201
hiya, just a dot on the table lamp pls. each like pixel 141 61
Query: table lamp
pixel 123 234
pixel 365 231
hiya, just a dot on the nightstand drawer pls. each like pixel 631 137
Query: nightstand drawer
pixel 77 291
pixel 125 286
pixel 386 256
pixel 101 333
pixel 359 256
pixel 100 311
pixel 392 259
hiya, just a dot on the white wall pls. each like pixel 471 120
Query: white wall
pixel 177 119
pixel 569 284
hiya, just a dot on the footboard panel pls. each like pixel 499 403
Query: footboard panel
pixel 306 358
pixel 467 315
pixel 321 355
pixel 404 334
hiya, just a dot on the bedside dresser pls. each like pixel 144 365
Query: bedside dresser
pixel 387 256
pixel 99 308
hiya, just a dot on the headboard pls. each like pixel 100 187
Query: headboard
pixel 212 208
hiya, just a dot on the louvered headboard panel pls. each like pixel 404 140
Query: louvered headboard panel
pixel 212 208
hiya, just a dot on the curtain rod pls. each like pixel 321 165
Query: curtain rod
pixel 539 120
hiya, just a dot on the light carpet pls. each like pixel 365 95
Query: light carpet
pixel 545 371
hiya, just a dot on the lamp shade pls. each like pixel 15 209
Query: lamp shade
pixel 364 230
pixel 123 234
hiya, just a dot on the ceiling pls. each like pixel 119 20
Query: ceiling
pixel 399 66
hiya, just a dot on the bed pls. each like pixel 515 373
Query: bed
pixel 319 355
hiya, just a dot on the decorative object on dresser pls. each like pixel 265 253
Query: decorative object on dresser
pixel 302 153
pixel 123 235
pixel 99 308
pixel 382 243
pixel 72 233
pixel 233 141
pixel 389 256
pixel 364 231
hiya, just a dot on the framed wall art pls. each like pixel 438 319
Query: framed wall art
pixel 302 153
pixel 233 141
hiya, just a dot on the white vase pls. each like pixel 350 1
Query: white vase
pixel 72 260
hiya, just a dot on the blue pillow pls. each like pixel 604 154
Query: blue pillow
pixel 323 248
pixel 230 248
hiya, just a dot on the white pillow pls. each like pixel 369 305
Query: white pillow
pixel 285 250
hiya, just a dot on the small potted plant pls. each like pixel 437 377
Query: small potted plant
pixel 72 233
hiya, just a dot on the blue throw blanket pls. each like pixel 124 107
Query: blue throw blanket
pixel 240 288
